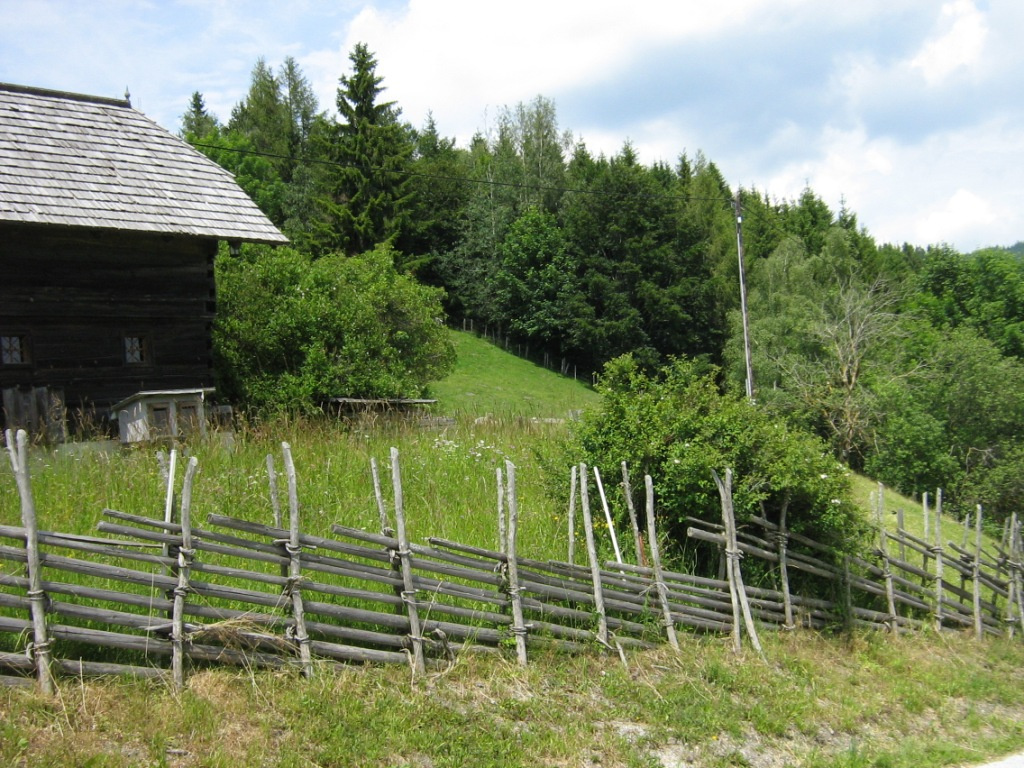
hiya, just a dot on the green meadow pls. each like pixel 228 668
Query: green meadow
pixel 848 700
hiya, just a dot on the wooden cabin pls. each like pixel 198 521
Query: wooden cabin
pixel 109 226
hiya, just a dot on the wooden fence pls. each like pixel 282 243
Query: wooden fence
pixel 154 597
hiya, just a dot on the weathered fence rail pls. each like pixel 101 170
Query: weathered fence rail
pixel 150 597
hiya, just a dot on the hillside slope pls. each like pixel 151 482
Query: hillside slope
pixel 489 381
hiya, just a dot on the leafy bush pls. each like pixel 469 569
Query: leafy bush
pixel 678 427
pixel 292 331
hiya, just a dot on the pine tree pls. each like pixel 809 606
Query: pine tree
pixel 365 192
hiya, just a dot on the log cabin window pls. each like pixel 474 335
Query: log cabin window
pixel 136 350
pixel 14 350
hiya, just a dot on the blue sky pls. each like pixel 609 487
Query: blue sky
pixel 910 111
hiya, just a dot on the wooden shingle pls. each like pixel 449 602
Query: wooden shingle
pixel 86 161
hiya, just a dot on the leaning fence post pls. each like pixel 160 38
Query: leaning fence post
pixel 408 580
pixel 518 625
pixel 659 577
pixel 733 555
pixel 40 646
pixel 595 566
pixel 185 557
pixel 608 516
pixel 294 550
pixel 638 542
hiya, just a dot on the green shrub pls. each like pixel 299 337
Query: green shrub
pixel 292 332
pixel 678 427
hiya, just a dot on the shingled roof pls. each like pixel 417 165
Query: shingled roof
pixel 86 161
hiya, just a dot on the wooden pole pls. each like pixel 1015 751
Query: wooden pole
pixel 275 500
pixel 608 516
pixel 1010 544
pixel 572 515
pixel 518 627
pixel 408 580
pixel 595 566
pixel 169 472
pixel 979 627
pixel 502 521
pixel 294 549
pixel 40 648
pixel 734 554
pixel 659 577
pixel 883 550
pixel 378 494
pixel 637 540
pixel 185 556
pixel 937 551
pixel 782 546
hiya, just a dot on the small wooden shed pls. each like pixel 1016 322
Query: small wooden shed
pixel 109 226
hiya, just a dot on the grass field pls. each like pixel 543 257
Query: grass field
pixel 847 700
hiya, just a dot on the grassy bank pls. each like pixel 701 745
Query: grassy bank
pixel 865 700
pixel 815 700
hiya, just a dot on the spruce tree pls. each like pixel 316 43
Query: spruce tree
pixel 365 190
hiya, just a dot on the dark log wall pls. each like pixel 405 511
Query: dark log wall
pixel 77 293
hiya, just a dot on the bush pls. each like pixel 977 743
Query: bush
pixel 678 427
pixel 292 332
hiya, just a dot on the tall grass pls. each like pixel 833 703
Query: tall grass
pixel 448 479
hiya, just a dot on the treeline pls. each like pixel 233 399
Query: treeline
pixel 907 361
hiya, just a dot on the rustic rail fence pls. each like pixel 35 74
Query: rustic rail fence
pixel 156 597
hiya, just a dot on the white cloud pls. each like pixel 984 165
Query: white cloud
pixel 959 45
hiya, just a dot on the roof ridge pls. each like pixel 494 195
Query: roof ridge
pixel 48 93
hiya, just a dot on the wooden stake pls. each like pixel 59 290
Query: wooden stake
pixel 659 577
pixel 185 556
pixel 502 528
pixel 518 627
pixel 595 566
pixel 979 626
pixel 572 515
pixel 733 564
pixel 408 579
pixel 883 549
pixel 783 547
pixel 382 510
pixel 275 500
pixel 294 549
pixel 608 516
pixel 40 649
pixel 937 551
pixel 637 541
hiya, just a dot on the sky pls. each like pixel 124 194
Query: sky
pixel 910 113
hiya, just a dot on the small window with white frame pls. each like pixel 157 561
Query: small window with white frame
pixel 14 349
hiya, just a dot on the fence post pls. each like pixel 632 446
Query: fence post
pixel 408 580
pixel 294 549
pixel 184 569
pixel 40 646
pixel 782 545
pixel 733 555
pixel 979 627
pixel 595 566
pixel 608 516
pixel 572 515
pixel 638 542
pixel 519 628
pixel 937 551
pixel 659 578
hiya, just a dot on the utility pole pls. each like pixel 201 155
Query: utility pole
pixel 743 299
